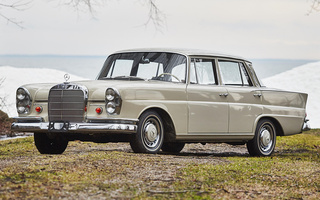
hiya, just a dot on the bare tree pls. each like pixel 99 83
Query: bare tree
pixel 155 16
pixel 3 102
pixel 315 6
pixel 19 5
pixel 84 5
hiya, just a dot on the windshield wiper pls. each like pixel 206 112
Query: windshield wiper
pixel 130 78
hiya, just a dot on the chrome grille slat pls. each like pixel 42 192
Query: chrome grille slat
pixel 66 102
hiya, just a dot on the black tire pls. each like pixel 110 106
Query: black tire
pixel 150 135
pixel 50 145
pixel 172 147
pixel 264 141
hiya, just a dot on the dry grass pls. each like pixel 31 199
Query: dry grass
pixel 104 171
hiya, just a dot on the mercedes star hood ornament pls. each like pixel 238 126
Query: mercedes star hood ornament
pixel 66 77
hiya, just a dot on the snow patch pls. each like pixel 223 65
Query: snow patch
pixel 15 77
pixel 306 79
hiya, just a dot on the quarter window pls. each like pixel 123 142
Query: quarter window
pixel 245 77
pixel 234 73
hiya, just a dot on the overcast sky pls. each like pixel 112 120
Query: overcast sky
pixel 248 28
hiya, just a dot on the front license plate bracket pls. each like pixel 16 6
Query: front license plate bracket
pixel 58 126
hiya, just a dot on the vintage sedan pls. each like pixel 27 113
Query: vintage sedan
pixel 161 99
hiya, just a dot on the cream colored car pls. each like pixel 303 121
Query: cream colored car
pixel 161 99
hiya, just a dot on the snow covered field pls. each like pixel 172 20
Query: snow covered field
pixel 15 77
pixel 305 78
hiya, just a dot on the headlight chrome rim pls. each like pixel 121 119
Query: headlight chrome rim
pixel 21 94
pixel 113 101
pixel 23 100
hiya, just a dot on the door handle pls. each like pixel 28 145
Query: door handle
pixel 223 94
pixel 257 95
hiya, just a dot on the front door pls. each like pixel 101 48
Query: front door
pixel 207 102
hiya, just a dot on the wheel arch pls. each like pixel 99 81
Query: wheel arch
pixel 168 124
pixel 276 123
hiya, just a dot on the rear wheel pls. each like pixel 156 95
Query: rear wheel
pixel 172 147
pixel 55 144
pixel 149 136
pixel 264 141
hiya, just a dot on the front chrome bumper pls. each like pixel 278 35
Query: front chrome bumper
pixel 92 125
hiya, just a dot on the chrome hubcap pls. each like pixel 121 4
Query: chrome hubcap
pixel 151 133
pixel 266 138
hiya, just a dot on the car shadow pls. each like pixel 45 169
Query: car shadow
pixel 207 154
pixel 189 151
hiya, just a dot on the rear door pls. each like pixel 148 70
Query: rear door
pixel 244 97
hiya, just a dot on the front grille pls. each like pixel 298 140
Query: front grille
pixel 66 103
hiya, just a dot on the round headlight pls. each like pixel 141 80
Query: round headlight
pixel 21 94
pixel 21 109
pixel 110 94
pixel 111 107
pixel 23 101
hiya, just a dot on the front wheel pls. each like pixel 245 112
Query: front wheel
pixel 56 144
pixel 264 141
pixel 149 136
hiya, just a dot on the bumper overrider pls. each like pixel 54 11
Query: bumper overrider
pixel 306 126
pixel 91 125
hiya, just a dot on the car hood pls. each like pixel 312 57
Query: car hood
pixel 97 88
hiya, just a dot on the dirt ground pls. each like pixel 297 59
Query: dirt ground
pixel 112 171
pixel 154 173
pixel 149 172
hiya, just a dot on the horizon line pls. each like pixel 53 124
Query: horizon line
pixel 105 56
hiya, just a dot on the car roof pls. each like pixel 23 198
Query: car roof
pixel 187 52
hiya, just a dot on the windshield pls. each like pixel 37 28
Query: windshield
pixel 146 65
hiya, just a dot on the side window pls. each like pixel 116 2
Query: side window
pixel 202 71
pixel 234 73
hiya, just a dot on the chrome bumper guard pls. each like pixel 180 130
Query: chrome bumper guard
pixel 306 126
pixel 92 125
